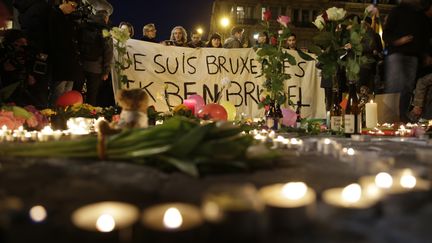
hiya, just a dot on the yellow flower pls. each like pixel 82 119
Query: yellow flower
pixel 48 112
pixel 180 108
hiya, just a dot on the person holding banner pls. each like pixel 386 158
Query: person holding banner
pixel 196 41
pixel 215 41
pixel 235 40
pixel 178 37
pixel 149 33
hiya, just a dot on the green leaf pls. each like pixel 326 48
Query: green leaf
pixel 305 56
pixel 7 91
pixel 150 151
pixel 187 143
pixel 186 167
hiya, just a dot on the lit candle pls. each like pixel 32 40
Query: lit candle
pixel 46 134
pixel 172 217
pixel 80 125
pixel 290 205
pixel 105 216
pixel 371 114
pixel 401 182
pixel 349 197
pixel 190 103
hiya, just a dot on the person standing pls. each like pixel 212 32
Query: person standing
pixel 178 36
pixel 33 19
pixel 215 41
pixel 96 55
pixel 149 33
pixel 291 42
pixel 406 39
pixel 234 41
pixel 63 49
pixel 196 41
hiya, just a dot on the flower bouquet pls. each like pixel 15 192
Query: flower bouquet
pixel 122 60
pixel 178 144
pixel 14 117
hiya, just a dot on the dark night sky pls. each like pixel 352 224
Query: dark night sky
pixel 164 13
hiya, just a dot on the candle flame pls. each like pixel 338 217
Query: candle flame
pixel 38 213
pixel 408 181
pixel 294 190
pixel 352 193
pixel 371 102
pixel 383 180
pixel 350 151
pixel 327 141
pixel 105 223
pixel 172 218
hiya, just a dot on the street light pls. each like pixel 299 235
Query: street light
pixel 225 22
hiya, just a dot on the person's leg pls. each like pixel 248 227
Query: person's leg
pixel 93 86
pixel 394 73
pixel 410 71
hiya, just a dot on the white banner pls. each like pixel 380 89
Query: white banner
pixel 186 71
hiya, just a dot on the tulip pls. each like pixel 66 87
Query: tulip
pixel 267 15
pixel 284 20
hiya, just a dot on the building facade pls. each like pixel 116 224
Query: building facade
pixel 248 14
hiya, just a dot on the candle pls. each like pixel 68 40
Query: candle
pixel 290 205
pixel 105 216
pixel 371 114
pixel 38 214
pixel 403 190
pixel 46 134
pixel 80 125
pixel 172 217
pixel 350 202
pixel 190 103
pixel 402 181
pixel 234 212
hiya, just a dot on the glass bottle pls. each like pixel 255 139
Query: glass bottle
pixel 335 113
pixel 352 116
pixel 273 116
pixel 298 112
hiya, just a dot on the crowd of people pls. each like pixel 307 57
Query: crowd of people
pixel 57 50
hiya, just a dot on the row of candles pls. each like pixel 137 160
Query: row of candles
pixel 294 202
pixel 76 127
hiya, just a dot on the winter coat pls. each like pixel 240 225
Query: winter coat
pixel 33 19
pixel 63 48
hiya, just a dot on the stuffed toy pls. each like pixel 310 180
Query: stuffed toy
pixel 134 104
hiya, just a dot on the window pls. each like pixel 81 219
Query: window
pixel 240 12
pixel 296 16
pixel 305 16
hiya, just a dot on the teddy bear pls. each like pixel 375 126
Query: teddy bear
pixel 134 104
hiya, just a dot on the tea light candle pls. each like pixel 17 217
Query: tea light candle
pixel 290 205
pixel 234 213
pixel 371 114
pixel 279 142
pixel 172 217
pixel 350 197
pixel 80 125
pixel 402 181
pixel 105 216
pixel 46 134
